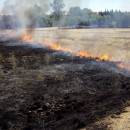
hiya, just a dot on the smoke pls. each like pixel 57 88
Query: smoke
pixel 26 12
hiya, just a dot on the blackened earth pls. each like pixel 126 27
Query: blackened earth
pixel 44 89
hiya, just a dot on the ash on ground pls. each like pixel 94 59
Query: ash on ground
pixel 41 89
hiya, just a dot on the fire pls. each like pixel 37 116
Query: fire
pixel 84 54
pixel 122 65
pixel 81 53
pixel 105 57
pixel 55 46
pixel 27 37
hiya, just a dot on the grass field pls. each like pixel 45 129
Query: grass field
pixel 115 42
pixel 42 88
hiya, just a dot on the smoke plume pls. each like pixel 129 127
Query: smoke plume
pixel 26 11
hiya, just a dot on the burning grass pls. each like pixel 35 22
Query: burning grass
pixel 42 88
pixel 27 37
pixel 81 53
pixel 40 85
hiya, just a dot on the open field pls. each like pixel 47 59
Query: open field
pixel 47 89
pixel 114 42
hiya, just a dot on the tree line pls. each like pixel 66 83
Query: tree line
pixel 77 17
pixel 74 18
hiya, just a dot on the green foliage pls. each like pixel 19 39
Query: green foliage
pixel 57 5
pixel 113 24
pixel 76 17
pixel 75 11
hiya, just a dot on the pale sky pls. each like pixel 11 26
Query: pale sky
pixel 100 5
pixel 95 5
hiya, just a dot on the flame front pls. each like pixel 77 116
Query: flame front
pixel 55 46
pixel 27 38
pixel 122 65
pixel 105 57
pixel 82 53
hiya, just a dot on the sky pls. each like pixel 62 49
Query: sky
pixel 95 5
pixel 100 5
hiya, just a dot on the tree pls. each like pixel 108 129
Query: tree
pixel 78 17
pixel 75 11
pixel 86 11
pixel 114 24
pixel 57 6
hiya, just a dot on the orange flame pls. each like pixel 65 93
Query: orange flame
pixel 55 46
pixel 84 54
pixel 105 57
pixel 122 65
pixel 81 53
pixel 27 37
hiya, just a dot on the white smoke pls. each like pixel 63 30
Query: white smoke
pixel 26 11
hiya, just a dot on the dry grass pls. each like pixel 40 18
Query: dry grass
pixel 114 42
pixel 114 122
pixel 41 77
pixel 13 61
pixel 1 57
pixel 47 59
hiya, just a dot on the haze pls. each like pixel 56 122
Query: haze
pixel 95 5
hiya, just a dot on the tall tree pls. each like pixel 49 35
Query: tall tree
pixel 57 6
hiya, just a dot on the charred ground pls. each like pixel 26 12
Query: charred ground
pixel 46 89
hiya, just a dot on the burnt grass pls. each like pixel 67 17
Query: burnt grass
pixel 44 89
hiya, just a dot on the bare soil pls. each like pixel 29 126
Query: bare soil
pixel 117 121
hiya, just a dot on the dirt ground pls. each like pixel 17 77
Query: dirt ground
pixel 52 90
pixel 118 121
